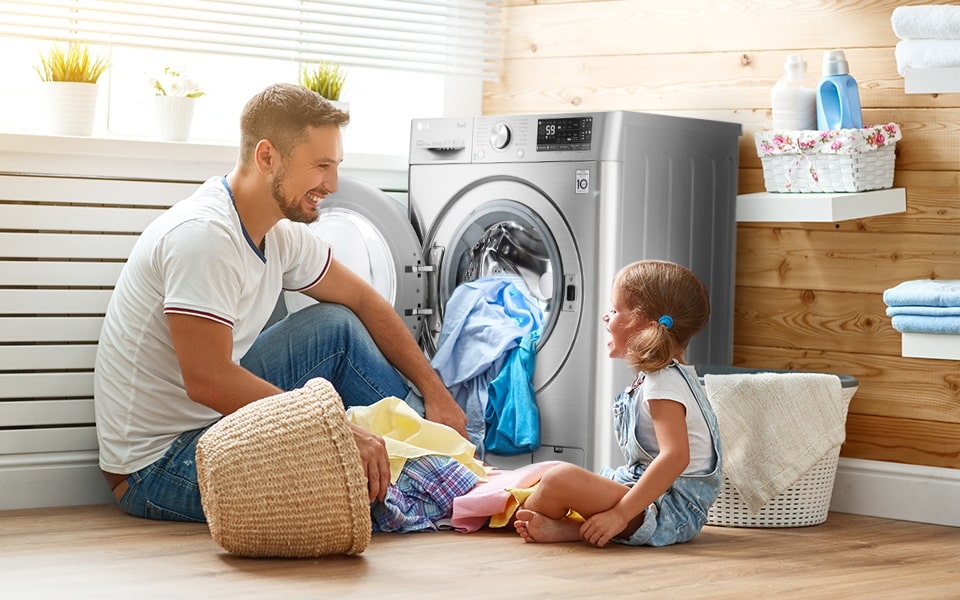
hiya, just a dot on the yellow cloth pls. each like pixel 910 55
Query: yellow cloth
pixel 517 497
pixel 408 435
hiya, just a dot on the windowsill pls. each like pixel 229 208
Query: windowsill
pixel 109 157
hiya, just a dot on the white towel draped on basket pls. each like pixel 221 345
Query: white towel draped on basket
pixel 774 427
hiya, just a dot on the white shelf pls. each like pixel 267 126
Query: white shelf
pixel 941 80
pixel 930 345
pixel 821 208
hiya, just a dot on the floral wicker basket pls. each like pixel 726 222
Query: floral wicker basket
pixel 845 160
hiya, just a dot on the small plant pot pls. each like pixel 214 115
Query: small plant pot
pixel 174 117
pixel 71 107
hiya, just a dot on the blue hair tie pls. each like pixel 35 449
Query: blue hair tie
pixel 666 321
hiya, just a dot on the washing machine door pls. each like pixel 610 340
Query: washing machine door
pixel 371 234
pixel 505 225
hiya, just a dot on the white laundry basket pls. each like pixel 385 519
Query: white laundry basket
pixel 806 502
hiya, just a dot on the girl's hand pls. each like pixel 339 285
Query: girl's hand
pixel 602 527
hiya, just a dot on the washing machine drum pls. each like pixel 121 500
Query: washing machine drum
pixel 509 248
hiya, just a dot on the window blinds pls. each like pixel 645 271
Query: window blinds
pixel 451 37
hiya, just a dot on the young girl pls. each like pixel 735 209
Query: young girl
pixel 663 421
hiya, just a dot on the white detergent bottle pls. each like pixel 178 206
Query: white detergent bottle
pixel 838 97
pixel 793 98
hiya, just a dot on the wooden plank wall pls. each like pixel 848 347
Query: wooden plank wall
pixel 809 296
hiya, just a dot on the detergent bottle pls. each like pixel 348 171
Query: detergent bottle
pixel 838 98
pixel 793 99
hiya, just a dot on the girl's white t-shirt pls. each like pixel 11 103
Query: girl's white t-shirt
pixel 194 259
pixel 669 384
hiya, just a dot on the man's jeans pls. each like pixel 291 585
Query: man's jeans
pixel 322 340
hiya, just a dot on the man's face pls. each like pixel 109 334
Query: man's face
pixel 308 174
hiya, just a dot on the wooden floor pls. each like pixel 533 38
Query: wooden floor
pixel 98 552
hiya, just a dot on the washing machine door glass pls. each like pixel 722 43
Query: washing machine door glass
pixel 371 235
pixel 505 227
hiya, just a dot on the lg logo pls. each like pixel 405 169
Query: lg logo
pixel 583 182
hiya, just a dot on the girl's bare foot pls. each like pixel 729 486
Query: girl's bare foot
pixel 535 527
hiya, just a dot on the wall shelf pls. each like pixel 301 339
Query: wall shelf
pixel 821 208
pixel 942 80
pixel 930 345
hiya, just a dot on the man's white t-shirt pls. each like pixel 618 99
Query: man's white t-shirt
pixel 194 259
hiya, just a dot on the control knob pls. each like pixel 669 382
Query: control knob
pixel 500 136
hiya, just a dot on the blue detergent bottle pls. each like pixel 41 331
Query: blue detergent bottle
pixel 838 98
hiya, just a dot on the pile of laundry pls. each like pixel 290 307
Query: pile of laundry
pixel 924 306
pixel 486 355
pixel 929 34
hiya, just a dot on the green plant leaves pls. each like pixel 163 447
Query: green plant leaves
pixel 325 78
pixel 73 63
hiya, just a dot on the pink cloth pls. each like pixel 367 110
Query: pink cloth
pixel 472 510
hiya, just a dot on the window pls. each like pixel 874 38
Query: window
pixel 404 58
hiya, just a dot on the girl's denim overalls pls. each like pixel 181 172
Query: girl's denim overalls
pixel 681 512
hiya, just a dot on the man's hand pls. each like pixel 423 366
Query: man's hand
pixel 445 410
pixel 376 463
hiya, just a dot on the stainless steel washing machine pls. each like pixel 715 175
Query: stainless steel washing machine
pixel 587 193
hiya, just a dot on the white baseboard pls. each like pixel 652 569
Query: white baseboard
pixel 897 491
pixel 51 479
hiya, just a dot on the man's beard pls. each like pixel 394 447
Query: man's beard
pixel 291 209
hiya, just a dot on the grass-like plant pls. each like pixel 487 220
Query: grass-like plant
pixel 75 62
pixel 325 78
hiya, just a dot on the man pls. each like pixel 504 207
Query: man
pixel 181 344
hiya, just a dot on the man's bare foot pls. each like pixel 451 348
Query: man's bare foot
pixel 535 527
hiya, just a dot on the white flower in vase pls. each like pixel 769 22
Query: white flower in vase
pixel 175 96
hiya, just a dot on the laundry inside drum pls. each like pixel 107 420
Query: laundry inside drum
pixel 508 248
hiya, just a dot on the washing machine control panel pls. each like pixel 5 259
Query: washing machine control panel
pixel 564 133
pixel 532 138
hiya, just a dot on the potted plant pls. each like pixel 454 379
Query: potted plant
pixel 326 79
pixel 175 95
pixel 70 74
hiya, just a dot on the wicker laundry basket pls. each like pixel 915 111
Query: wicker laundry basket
pixel 806 502
pixel 282 477
pixel 848 160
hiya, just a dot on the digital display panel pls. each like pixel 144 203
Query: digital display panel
pixel 566 133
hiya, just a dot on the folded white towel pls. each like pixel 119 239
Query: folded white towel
pixel 937 21
pixel 774 427
pixel 927 54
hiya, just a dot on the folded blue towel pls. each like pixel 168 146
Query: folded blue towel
pixel 922 324
pixel 924 292
pixel 925 311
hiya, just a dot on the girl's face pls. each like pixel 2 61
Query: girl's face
pixel 621 325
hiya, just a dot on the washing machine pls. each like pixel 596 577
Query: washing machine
pixel 569 199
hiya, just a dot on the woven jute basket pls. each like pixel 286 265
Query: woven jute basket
pixel 282 477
